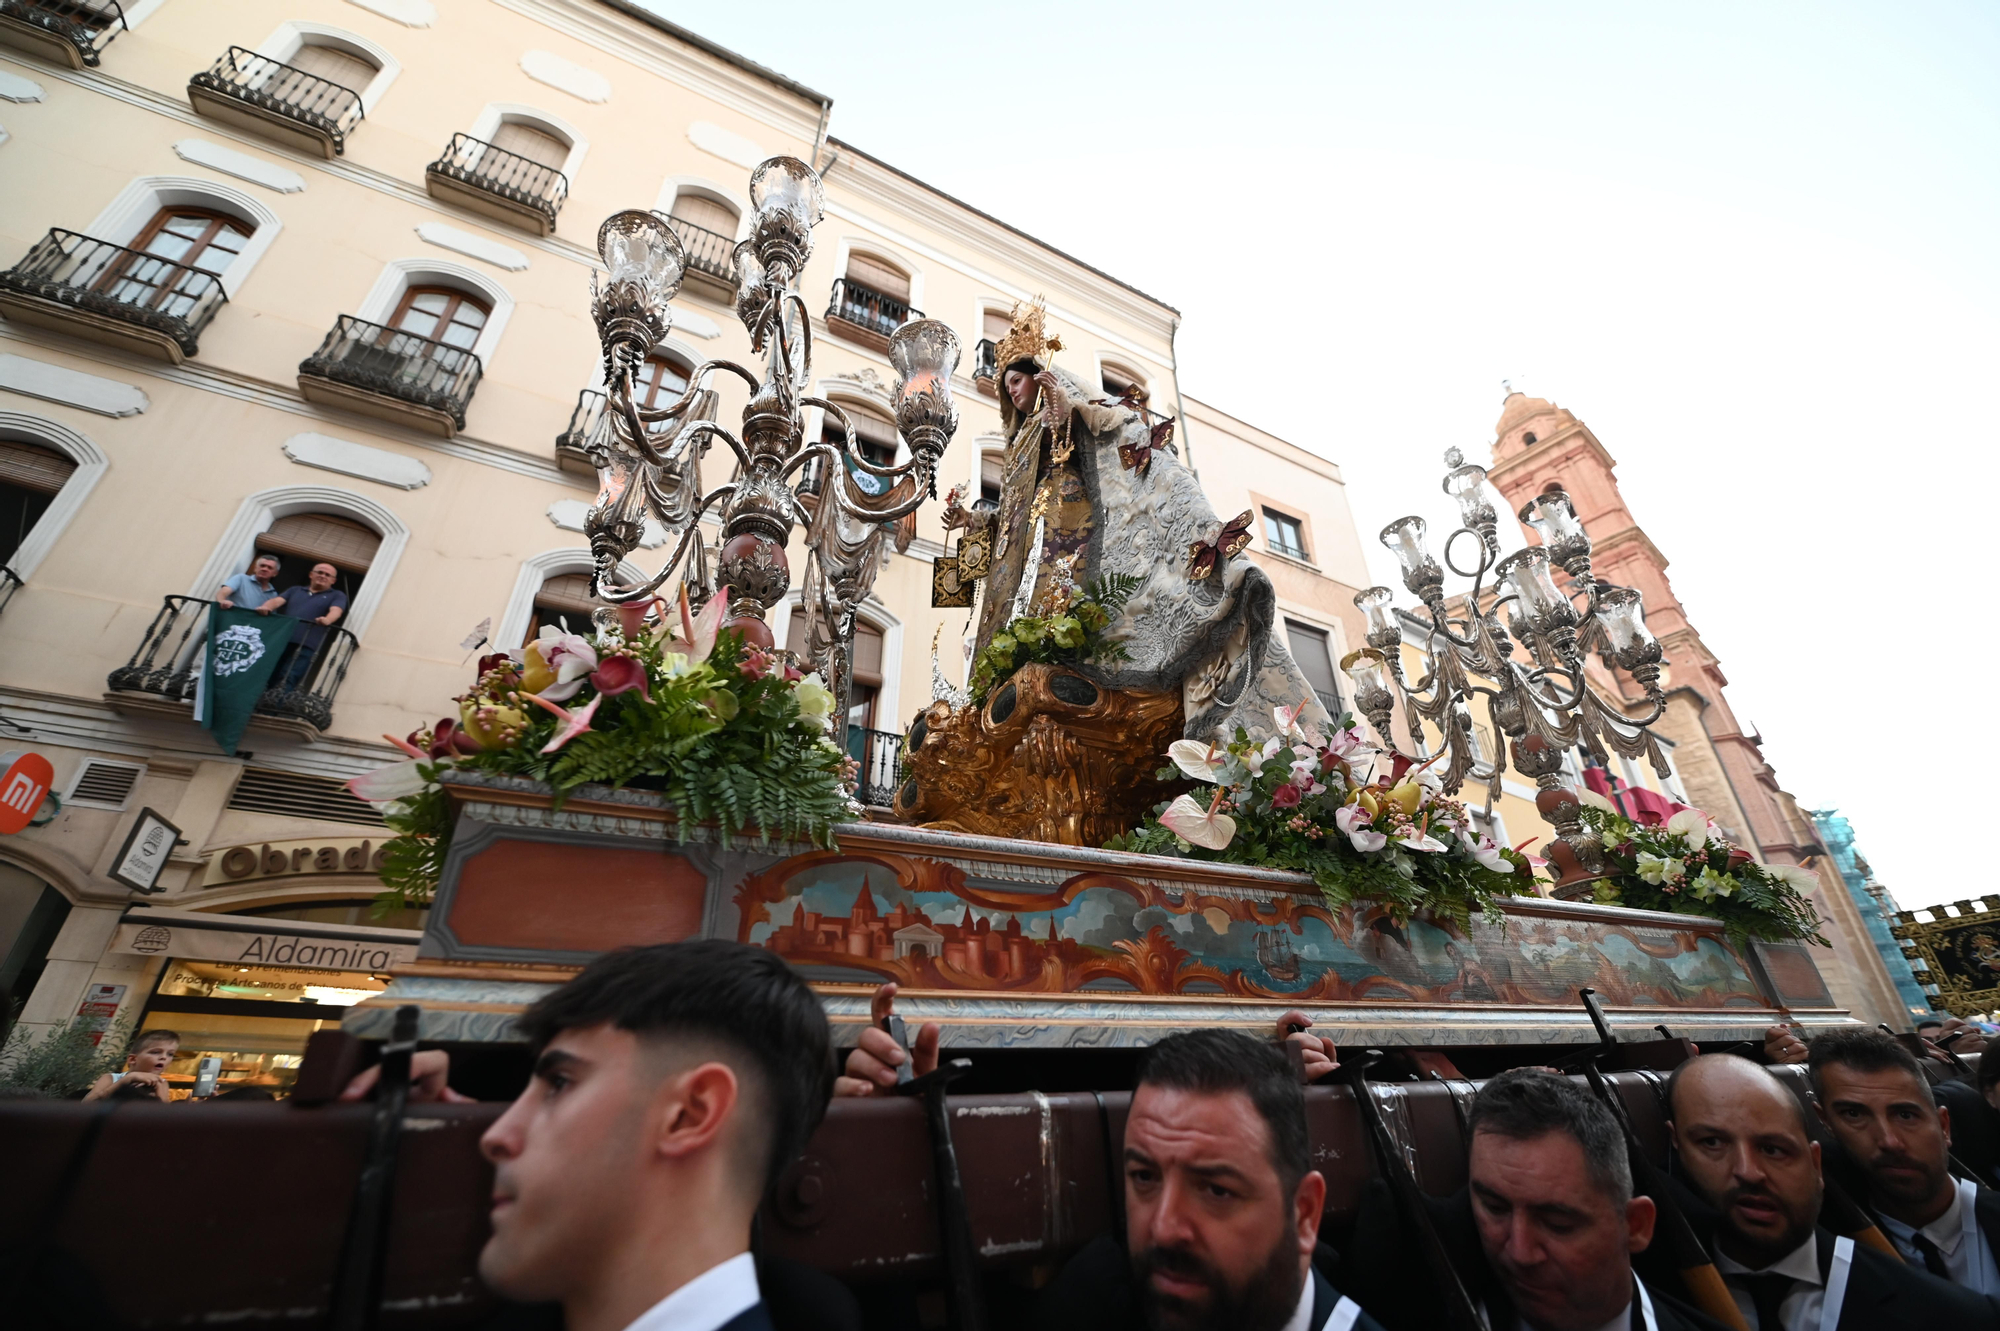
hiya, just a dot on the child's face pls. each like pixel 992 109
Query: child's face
pixel 155 1057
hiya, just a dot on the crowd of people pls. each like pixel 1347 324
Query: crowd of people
pixel 671 1083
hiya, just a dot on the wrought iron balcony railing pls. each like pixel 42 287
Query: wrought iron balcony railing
pixel 708 252
pixel 571 454
pixel 10 582
pixel 279 91
pixel 169 661
pixel 984 370
pixel 880 754
pixel 77 30
pixel 394 364
pixel 527 184
pixel 115 282
pixel 868 310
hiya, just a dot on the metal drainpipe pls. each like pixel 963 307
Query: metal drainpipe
pixel 819 134
pixel 1174 354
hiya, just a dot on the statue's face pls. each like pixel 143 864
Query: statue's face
pixel 1021 389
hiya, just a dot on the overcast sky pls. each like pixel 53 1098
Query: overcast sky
pixel 1753 246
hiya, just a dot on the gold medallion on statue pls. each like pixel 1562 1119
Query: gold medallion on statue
pixel 975 554
pixel 949 591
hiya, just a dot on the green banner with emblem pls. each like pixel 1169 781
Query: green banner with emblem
pixel 243 650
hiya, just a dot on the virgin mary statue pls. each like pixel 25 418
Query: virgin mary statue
pixel 1089 489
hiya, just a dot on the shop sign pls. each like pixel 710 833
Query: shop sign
pixel 284 859
pixel 99 1006
pixel 23 786
pixel 244 948
pixel 144 854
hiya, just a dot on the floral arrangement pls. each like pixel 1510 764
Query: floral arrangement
pixel 1069 635
pixel 1364 823
pixel 1687 865
pixel 730 734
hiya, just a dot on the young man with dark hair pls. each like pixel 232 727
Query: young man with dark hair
pixel 1551 1191
pixel 1742 1143
pixel 1882 1110
pixel 1222 1205
pixel 671 1083
pixel 145 1068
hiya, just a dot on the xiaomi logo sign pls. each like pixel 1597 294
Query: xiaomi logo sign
pixel 23 787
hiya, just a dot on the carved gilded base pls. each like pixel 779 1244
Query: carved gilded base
pixel 1050 757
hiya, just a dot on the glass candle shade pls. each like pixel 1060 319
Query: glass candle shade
pixel 1368 669
pixel 787 184
pixel 1622 613
pixel 1467 485
pixel 638 247
pixel 924 352
pixel 1405 539
pixel 1375 603
pixel 1554 519
pixel 1527 571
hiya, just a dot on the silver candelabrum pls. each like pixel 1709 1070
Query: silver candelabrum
pixel 1537 694
pixel 649 460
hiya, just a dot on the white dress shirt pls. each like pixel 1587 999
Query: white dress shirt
pixel 1801 1308
pixel 1302 1315
pixel 708 1301
pixel 1967 1255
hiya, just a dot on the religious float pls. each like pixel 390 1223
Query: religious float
pixel 1135 818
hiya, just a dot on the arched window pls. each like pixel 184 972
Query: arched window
pixel 533 142
pixel 563 600
pixel 991 472
pixel 301 540
pixel 336 64
pixel 875 439
pixel 871 300
pixel 204 240
pixel 660 382
pixel 30 478
pixel 442 314
pixel 866 686
pixel 699 210
pixel 994 325
pixel 1119 382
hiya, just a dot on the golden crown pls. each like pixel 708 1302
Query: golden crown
pixel 1025 340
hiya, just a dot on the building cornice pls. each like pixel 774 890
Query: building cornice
pixel 85 722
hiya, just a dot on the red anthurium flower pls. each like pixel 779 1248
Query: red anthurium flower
pixel 1739 858
pixel 632 614
pixel 620 674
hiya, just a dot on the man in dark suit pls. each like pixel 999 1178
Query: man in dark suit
pixel 1742 1141
pixel 1883 1111
pixel 670 1083
pixel 1222 1207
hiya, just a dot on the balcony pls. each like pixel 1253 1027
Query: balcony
pixel 865 316
pixel 10 582
pixel 63 32
pixel 391 375
pixel 297 109
pixel 710 258
pixel 880 753
pixel 160 678
pixel 985 372
pixel 91 288
pixel 496 183
pixel 571 454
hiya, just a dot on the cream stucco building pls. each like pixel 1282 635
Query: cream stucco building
pixel 311 278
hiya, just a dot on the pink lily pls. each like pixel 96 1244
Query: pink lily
pixel 1289 724
pixel 632 615
pixel 1355 821
pixel 1186 819
pixel 621 674
pixel 575 720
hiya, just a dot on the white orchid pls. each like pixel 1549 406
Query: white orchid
pixel 569 655
pixel 1189 821
pixel 1203 762
pixel 1256 758
pixel 1354 820
pixel 1660 871
pixel 1485 850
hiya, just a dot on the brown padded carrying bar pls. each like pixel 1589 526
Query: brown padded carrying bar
pixel 245 1204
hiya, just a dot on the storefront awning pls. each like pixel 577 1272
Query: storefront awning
pixel 248 940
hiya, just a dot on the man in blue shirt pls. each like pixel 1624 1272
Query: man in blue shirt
pixel 252 590
pixel 318 606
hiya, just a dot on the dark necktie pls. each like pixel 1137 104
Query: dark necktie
pixel 1933 1259
pixel 1767 1295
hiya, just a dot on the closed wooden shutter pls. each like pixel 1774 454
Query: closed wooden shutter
pixel 534 144
pixel 878 277
pixel 42 470
pixel 873 429
pixel 567 594
pixel 991 472
pixel 995 325
pixel 867 656
pixel 341 542
pixel 706 213
pixel 1309 649
pixel 335 66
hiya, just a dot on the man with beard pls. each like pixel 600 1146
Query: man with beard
pixel 1879 1105
pixel 1551 1192
pixel 1742 1143
pixel 670 1085
pixel 1222 1208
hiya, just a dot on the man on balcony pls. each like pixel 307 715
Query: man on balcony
pixel 253 590
pixel 319 605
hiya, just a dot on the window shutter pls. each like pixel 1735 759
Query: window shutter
pixel 335 66
pixel 321 536
pixel 706 213
pixel 879 277
pixel 996 324
pixel 536 145
pixel 991 471
pixel 567 594
pixel 867 653
pixel 1309 649
pixel 42 470
pixel 872 428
